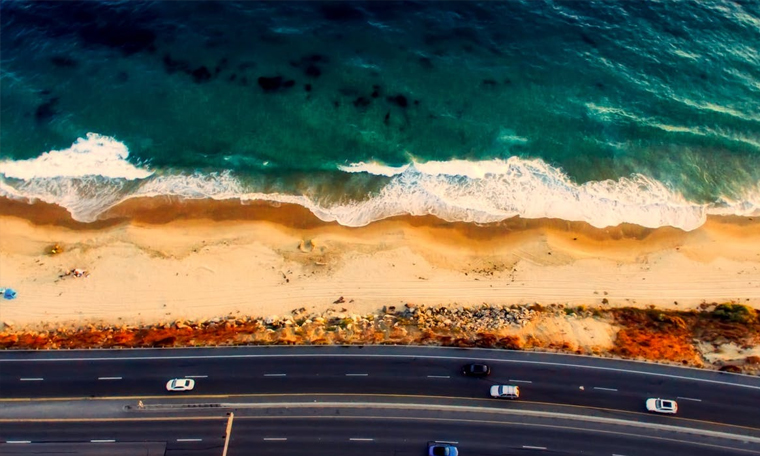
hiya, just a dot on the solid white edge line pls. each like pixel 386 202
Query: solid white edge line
pixel 689 399
pixel 357 375
pixel 276 439
pixel 439 376
pixel 102 441
pixel 604 389
pixel 529 447
pixel 275 375
pixel 18 441
pixel 359 439
pixel 313 355
pixel 109 378
pixel 196 376
pixel 520 381
pixel 189 440
pixel 31 379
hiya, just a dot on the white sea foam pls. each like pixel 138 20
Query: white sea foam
pixel 746 206
pixel 95 155
pixel 375 168
pixel 494 190
pixel 455 190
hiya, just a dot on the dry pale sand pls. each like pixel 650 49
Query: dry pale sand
pixel 149 270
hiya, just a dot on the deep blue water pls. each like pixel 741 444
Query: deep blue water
pixel 606 112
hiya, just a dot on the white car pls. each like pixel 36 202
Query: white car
pixel 658 405
pixel 180 384
pixel 505 391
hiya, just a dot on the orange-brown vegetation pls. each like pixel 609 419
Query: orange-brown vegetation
pixel 658 335
pixel 649 334
pixel 655 335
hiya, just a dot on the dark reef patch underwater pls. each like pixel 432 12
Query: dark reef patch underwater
pixel 604 112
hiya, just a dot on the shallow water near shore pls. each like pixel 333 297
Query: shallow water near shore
pixel 603 113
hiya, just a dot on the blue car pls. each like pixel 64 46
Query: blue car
pixel 442 449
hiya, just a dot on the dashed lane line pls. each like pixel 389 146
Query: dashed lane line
pixel 417 356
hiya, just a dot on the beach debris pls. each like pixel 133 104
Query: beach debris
pixel 340 300
pixel 55 249
pixel 8 293
pixel 306 246
pixel 75 272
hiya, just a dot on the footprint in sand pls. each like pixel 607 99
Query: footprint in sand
pixel 306 246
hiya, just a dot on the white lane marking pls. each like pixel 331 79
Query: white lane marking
pixel 277 439
pixel 439 376
pixel 520 381
pixel 528 447
pixel 275 375
pixel 604 389
pixel 196 376
pixel 19 441
pixel 32 379
pixel 109 378
pixel 189 440
pixel 102 441
pixel 689 399
pixel 315 355
pixel 357 375
pixel 359 439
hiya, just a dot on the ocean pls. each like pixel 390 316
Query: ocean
pixel 605 112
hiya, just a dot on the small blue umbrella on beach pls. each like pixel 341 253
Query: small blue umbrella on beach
pixel 8 293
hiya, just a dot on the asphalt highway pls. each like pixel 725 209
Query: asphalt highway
pixel 546 379
pixel 336 436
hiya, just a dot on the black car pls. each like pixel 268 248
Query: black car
pixel 476 370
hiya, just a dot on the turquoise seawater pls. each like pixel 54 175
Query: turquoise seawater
pixel 600 111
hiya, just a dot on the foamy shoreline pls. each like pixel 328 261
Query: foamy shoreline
pixel 191 260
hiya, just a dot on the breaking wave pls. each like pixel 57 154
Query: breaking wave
pixel 94 175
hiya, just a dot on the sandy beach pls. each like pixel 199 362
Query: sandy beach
pixel 152 261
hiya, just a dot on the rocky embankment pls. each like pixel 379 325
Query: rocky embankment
pixel 725 336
